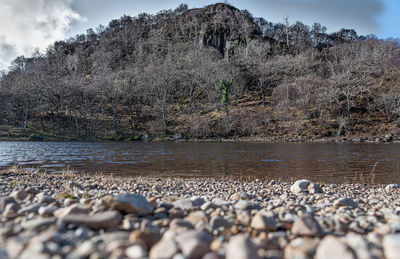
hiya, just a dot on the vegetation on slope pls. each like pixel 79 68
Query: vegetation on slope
pixel 166 74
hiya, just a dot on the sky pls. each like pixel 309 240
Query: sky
pixel 27 25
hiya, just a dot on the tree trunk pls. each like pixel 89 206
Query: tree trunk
pixel 263 97
pixel 115 122
pixel 132 120
pixel 348 108
pixel 164 118
pixel 76 125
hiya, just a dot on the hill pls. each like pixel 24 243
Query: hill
pixel 206 73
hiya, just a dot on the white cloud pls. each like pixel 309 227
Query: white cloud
pixel 29 24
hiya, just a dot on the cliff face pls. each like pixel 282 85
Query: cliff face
pixel 215 25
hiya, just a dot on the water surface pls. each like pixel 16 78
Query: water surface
pixel 322 162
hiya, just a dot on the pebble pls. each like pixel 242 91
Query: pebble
pixel 194 244
pixel 306 226
pixel 195 218
pixel 241 246
pixel 391 246
pixel 136 252
pixel 19 195
pixel 166 248
pixel 130 203
pixel 264 221
pixel 103 220
pixel 331 247
pixel 345 202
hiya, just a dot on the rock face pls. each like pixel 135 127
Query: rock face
pixel 241 247
pixel 331 248
pixel 130 203
pixel 391 246
pixel 345 202
pixel 103 220
pixel 302 186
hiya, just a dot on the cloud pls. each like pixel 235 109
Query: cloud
pixel 29 24
pixel 361 15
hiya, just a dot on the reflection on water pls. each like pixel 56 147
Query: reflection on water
pixel 322 162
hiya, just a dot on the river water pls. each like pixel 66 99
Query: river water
pixel 336 163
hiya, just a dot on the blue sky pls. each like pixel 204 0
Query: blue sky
pixel 30 24
pixel 390 20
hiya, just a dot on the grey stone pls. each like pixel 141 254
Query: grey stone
pixel 136 252
pixel 33 208
pixel 103 220
pixel 300 186
pixel 332 248
pixel 392 186
pixel 38 223
pixel 391 246
pixel 19 195
pixel 183 204
pixel 345 202
pixel 218 222
pixel 306 226
pixel 47 210
pixel 130 203
pixel 241 246
pixel 264 221
pixel 194 244
pixel 6 200
pixel 246 205
pixel 197 201
pixel 301 248
pixel 10 211
pixel 166 248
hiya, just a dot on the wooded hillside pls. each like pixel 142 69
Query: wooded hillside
pixel 205 73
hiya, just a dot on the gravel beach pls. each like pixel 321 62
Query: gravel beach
pixel 70 215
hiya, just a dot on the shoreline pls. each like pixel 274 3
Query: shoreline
pixel 102 216
pixel 270 140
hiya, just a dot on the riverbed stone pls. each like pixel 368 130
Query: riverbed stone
pixel 241 246
pixel 129 203
pixel 183 204
pixel 392 186
pixel 345 202
pixel 300 186
pixel 194 244
pixel 103 220
pixel 331 247
pixel 391 246
pixel 136 252
pixel 19 195
pixel 246 205
pixel 6 200
pixel 166 248
pixel 301 248
pixel 306 226
pixel 219 222
pixel 264 221
pixel 11 210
